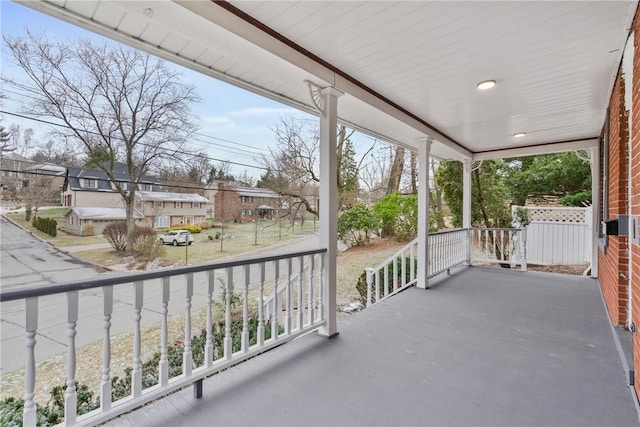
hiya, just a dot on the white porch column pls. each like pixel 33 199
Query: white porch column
pixel 466 193
pixel 423 214
pixel 466 203
pixel 329 204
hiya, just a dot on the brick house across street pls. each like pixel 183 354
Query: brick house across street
pixel 243 204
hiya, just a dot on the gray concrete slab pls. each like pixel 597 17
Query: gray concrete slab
pixel 485 347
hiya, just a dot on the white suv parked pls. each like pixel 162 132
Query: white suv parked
pixel 177 237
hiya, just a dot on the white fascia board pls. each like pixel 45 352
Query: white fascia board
pixel 535 150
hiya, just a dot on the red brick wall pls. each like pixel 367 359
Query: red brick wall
pixel 613 262
pixel 635 197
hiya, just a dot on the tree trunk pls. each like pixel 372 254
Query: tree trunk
pixel 396 171
pixel 130 220
pixel 414 173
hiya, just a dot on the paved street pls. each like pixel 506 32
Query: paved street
pixel 27 260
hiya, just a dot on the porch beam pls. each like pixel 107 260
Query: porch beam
pixel 329 204
pixel 534 150
pixel 423 214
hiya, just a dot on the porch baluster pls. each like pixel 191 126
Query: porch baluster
pixel 31 326
pixel 300 321
pixel 208 345
pixel 321 291
pixel 276 304
pixel 403 260
pixel 187 357
pixel 312 284
pixel 260 330
pixel 289 296
pixel 70 396
pixel 386 277
pixel 105 382
pixel 228 341
pixel 413 262
pixel 163 365
pixel 245 309
pixel 136 372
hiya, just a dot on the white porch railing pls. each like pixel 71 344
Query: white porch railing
pixel 308 288
pixel 504 246
pixel 446 250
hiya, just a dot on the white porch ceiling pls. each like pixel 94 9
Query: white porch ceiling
pixel 408 69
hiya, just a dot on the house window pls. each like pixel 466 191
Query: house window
pixel 177 205
pixel 145 187
pixel 246 199
pixel 187 219
pixel 161 222
pixel 158 204
pixel 90 183
pixel 195 204
pixel 123 185
pixel 209 213
pixel 246 212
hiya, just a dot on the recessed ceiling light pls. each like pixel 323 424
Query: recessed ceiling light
pixel 487 84
pixel 519 134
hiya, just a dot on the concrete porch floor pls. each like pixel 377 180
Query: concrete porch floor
pixel 482 347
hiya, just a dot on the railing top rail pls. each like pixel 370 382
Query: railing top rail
pixel 457 230
pixel 496 229
pixel 78 285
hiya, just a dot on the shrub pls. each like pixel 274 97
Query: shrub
pixel 210 237
pixel 355 225
pixel 218 235
pixel 394 273
pixel 27 214
pixel 141 233
pixel 578 199
pixel 116 235
pixel 205 225
pixel 88 230
pixel 191 228
pixel 149 248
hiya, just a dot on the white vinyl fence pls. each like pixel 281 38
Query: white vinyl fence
pixel 558 235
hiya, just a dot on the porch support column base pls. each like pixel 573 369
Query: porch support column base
pixel 321 334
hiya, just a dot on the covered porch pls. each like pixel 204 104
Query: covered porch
pixel 481 347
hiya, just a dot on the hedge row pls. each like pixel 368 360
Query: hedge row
pixel 191 228
pixel 46 225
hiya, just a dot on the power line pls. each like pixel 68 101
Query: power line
pixel 231 188
pixel 141 143
pixel 195 133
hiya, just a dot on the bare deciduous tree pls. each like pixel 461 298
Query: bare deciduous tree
pixel 112 99
pixel 292 167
